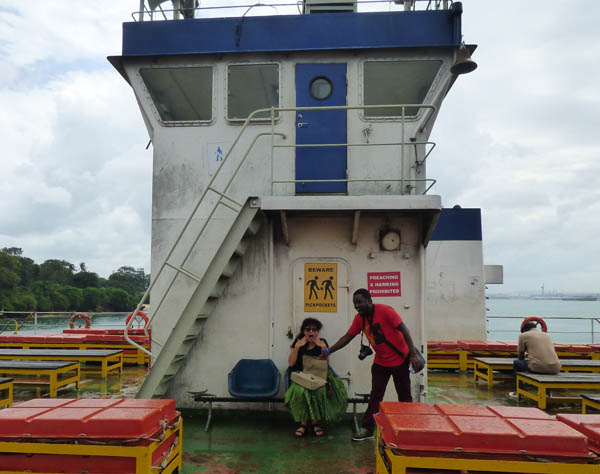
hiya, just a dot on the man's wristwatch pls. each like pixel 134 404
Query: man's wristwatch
pixel 327 351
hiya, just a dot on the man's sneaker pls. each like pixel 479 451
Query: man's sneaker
pixel 362 434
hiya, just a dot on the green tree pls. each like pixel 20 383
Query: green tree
pixel 24 300
pixel 93 299
pixel 14 251
pixel 84 279
pixel 73 295
pixel 9 278
pixel 29 271
pixel 129 279
pixel 118 300
pixel 57 271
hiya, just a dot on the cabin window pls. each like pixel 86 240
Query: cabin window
pixel 182 94
pixel 251 87
pixel 397 82
pixel 321 88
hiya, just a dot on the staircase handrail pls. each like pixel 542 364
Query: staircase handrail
pixel 430 110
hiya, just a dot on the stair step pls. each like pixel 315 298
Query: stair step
pixel 219 288
pixel 202 302
pixel 208 308
pixel 167 378
pixel 255 225
pixel 232 266
pixel 241 248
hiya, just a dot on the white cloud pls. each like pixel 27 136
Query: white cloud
pixel 518 138
pixel 76 177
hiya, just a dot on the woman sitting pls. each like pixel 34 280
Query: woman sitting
pixel 325 404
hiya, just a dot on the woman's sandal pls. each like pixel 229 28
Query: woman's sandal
pixel 300 431
pixel 318 431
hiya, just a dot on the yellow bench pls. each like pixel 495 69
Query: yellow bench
pixel 544 382
pixel 484 367
pixel 109 359
pixel 143 454
pixel 6 385
pixel 57 372
pixel 393 461
pixel 589 401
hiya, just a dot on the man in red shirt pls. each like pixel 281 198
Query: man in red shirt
pixel 394 353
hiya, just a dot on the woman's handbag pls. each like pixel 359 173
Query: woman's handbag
pixel 314 366
pixel 314 373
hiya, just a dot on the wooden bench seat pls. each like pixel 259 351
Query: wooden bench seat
pixel 6 392
pixel 483 367
pixel 58 373
pixel 562 381
pixel 109 359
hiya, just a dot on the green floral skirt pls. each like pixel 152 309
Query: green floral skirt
pixel 327 403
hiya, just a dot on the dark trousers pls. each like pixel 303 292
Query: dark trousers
pixel 521 365
pixel 380 377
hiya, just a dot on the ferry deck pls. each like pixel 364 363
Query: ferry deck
pixel 263 442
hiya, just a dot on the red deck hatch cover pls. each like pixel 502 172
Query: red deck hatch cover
pixel 94 403
pixel 589 425
pixel 550 435
pixel 87 418
pixel 478 429
pixel 521 412
pixel 467 410
pixel 407 408
pixel 45 403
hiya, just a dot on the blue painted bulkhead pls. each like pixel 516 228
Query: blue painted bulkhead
pixel 458 224
pixel 324 31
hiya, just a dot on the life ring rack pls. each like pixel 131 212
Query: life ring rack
pixel 76 316
pixel 537 320
pixel 139 313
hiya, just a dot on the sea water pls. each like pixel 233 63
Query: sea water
pixel 569 322
pixel 55 323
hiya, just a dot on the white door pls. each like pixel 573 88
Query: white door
pixel 310 288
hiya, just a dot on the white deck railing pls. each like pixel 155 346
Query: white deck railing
pixel 178 9
pixel 236 206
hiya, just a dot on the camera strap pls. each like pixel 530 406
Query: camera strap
pixel 392 346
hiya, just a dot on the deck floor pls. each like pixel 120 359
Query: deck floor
pixel 263 442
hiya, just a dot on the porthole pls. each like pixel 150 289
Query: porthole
pixel 321 88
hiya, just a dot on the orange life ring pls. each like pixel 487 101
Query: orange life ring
pixel 139 313
pixel 83 316
pixel 535 319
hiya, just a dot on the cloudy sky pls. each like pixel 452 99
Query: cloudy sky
pixel 518 137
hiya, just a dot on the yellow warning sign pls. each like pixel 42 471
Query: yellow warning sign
pixel 320 288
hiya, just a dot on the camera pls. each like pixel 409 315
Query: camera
pixel 365 351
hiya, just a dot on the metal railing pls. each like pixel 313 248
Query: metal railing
pixel 288 8
pixel 573 330
pixel 31 320
pixel 236 206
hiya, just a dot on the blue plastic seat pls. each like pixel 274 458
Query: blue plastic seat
pixel 254 378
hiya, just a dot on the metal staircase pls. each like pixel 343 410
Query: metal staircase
pixel 202 300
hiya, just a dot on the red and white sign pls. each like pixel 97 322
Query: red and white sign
pixel 384 283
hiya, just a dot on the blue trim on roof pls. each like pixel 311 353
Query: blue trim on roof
pixel 458 224
pixel 322 31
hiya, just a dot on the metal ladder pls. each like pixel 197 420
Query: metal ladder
pixel 202 300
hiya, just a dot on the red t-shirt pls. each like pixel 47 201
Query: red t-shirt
pixel 385 320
